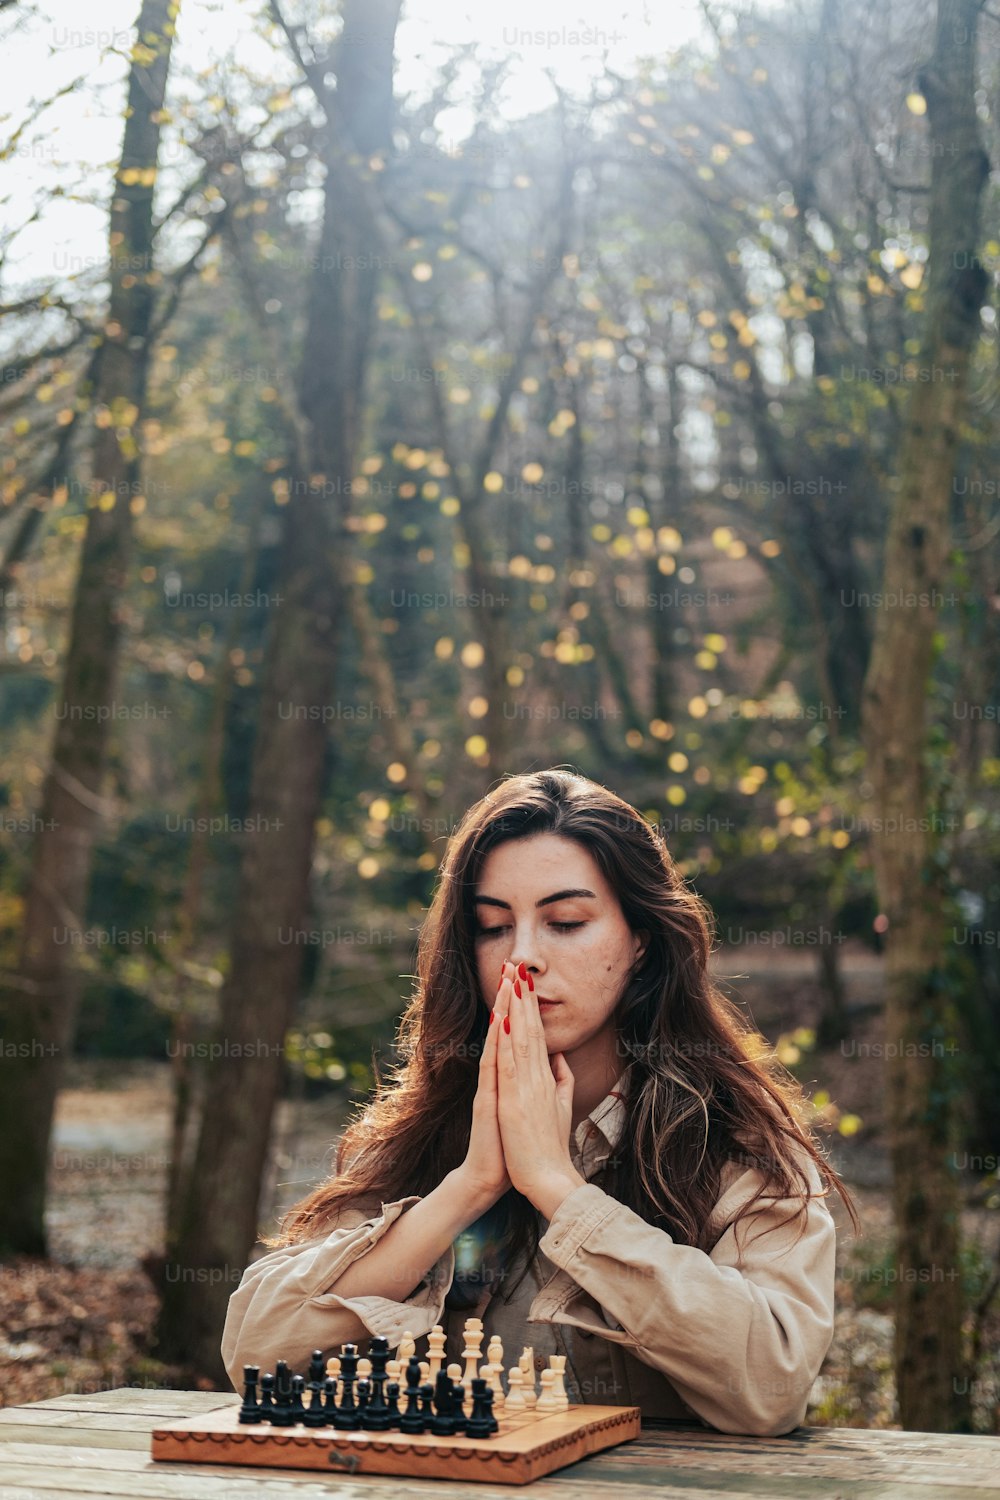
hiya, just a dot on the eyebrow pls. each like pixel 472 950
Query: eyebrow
pixel 545 901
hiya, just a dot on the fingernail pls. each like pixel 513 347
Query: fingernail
pixel 522 970
pixel 493 1016
pixel 506 1024
pixel 517 988
pixel 531 984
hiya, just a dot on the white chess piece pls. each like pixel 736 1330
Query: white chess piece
pixel 527 1364
pixel 333 1366
pixel 364 1368
pixel 557 1363
pixel 393 1371
pixel 515 1390
pixel 471 1351
pixel 407 1347
pixel 495 1355
pixel 435 1347
pixel 547 1400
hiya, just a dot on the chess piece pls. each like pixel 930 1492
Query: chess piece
pixel 492 1372
pixel 547 1400
pixel 527 1364
pixel 557 1363
pixel 266 1397
pixel 281 1413
pixel 443 1421
pixel 515 1391
pixel 329 1398
pixel 315 1413
pixel 316 1371
pixel 333 1367
pixel 480 1422
pixel 347 1417
pixel 426 1407
pixel 392 1402
pixel 411 1419
pixel 297 1408
pixel 407 1347
pixel 250 1410
pixel 435 1348
pixel 471 1353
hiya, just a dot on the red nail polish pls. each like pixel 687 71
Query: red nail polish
pixel 506 1024
pixel 493 1016
pixel 522 970
pixel 531 984
pixel 517 988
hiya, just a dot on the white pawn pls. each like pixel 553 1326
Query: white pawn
pixel 515 1390
pixel 547 1400
pixel 557 1363
pixel 364 1368
pixel 394 1371
pixel 425 1372
pixel 333 1366
pixel 435 1347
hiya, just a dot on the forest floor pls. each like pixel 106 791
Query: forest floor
pixel 82 1321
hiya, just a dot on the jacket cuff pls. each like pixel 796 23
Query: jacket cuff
pixel 578 1215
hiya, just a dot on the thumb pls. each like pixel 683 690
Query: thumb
pixel 563 1074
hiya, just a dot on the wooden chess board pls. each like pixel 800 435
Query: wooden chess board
pixel 527 1445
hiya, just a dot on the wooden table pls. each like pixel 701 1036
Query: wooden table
pixel 99 1445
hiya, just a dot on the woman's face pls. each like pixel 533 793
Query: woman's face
pixel 543 901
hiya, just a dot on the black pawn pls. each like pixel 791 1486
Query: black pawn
pixel 266 1397
pixel 443 1421
pixel 298 1405
pixel 392 1402
pixel 482 1423
pixel 250 1410
pixel 317 1368
pixel 330 1397
pixel 364 1394
pixel 427 1406
pixel 411 1419
pixel 377 1416
pixel 314 1415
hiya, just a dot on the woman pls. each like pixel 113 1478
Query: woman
pixel 582 1145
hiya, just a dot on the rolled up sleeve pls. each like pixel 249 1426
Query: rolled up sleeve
pixel 740 1338
pixel 285 1305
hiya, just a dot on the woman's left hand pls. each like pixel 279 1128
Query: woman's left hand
pixel 535 1102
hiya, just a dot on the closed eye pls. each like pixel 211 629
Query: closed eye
pixel 558 926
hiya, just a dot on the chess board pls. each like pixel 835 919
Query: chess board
pixel 527 1446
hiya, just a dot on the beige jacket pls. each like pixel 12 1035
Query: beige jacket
pixel 642 1321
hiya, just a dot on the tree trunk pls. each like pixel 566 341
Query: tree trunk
pixel 216 1225
pixel 38 1003
pixel 918 1020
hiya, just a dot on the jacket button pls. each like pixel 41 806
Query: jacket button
pixel 585 1333
pixel 539 1362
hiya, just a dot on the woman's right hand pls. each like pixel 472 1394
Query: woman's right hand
pixel 484 1169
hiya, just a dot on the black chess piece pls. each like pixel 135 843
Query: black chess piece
pixel 375 1417
pixel 427 1405
pixel 482 1423
pixel 392 1403
pixel 315 1414
pixel 347 1418
pixel 266 1397
pixel 330 1397
pixel 364 1394
pixel 282 1414
pixel 443 1421
pixel 317 1368
pixel 411 1419
pixel 298 1405
pixel 250 1410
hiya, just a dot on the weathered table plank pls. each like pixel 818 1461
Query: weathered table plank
pixel 98 1444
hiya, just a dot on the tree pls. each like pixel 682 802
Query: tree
pixel 216 1223
pixel 38 1002
pixel 909 877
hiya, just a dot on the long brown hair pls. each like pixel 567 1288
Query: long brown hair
pixel 700 1088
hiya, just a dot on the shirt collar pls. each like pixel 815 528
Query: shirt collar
pixel 596 1137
